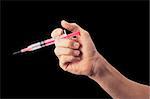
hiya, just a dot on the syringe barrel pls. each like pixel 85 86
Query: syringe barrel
pixel 47 42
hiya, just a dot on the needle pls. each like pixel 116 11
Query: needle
pixel 17 52
pixel 45 43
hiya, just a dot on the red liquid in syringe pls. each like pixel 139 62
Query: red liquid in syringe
pixel 45 43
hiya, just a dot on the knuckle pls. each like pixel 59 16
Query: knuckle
pixel 60 64
pixel 69 43
pixel 69 51
pixel 62 58
pixel 62 61
pixel 72 58
pixel 56 51
pixel 56 32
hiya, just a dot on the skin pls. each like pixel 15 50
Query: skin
pixel 80 56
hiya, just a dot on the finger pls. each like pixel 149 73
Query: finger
pixel 65 60
pixel 66 51
pixel 67 43
pixel 56 32
pixel 73 27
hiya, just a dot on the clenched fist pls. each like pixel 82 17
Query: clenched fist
pixel 76 55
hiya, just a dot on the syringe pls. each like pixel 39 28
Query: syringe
pixel 45 43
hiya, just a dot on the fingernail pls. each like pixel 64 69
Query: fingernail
pixel 77 53
pixel 76 45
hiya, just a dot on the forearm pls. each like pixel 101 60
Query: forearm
pixel 115 84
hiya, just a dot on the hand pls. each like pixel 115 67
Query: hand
pixel 79 56
pixel 76 55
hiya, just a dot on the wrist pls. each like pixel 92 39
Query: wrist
pixel 100 65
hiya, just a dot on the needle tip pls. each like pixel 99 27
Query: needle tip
pixel 14 53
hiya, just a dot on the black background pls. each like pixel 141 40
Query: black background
pixel 118 29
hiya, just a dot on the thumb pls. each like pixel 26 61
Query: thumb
pixel 73 27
